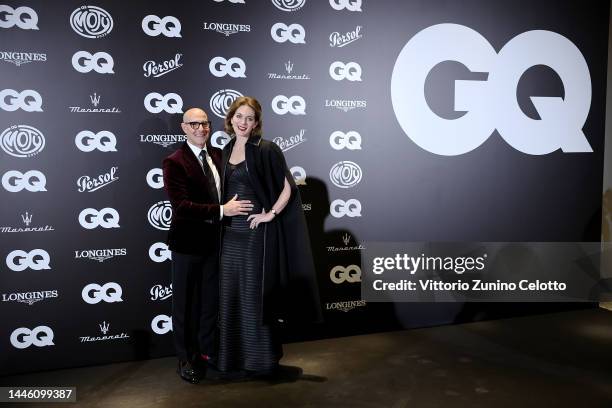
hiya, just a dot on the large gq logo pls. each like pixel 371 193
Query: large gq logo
pixel 350 71
pixel 36 259
pixel 340 274
pixel 161 324
pixel 22 141
pixel 159 252
pixel 155 178
pixel 294 33
pixel 91 22
pixel 100 62
pixel 350 140
pixel 295 105
pixel 28 100
pixel 289 5
pixel 22 17
pixel 299 175
pixel 219 139
pixel 88 141
pixel 222 100
pixel 492 104
pixel 350 5
pixel 155 103
pixel 169 26
pixel 109 292
pixel 160 215
pixel 40 336
pixel 234 67
pixel 350 208
pixel 91 218
pixel 345 174
pixel 15 181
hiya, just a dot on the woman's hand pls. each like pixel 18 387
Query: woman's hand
pixel 257 219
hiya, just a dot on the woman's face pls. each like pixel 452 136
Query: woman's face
pixel 244 121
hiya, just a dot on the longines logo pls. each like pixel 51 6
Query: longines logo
pixel 227 29
pixel 346 239
pixel 162 140
pixel 345 306
pixel 342 40
pixel 104 328
pixel 90 184
pixel 157 69
pixel 95 101
pixel 29 297
pixel 27 220
pixel 291 142
pixel 22 141
pixel 99 255
pixel 21 58
pixel 159 292
pixel 345 104
pixel 289 73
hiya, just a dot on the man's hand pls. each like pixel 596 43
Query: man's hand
pixel 237 207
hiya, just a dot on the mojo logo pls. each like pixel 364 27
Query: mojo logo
pixel 159 252
pixel 350 208
pixel 219 139
pixel 22 17
pixel 160 215
pixel 155 178
pixel 155 103
pixel 350 140
pixel 293 33
pixel 109 292
pixel 345 174
pixel 28 100
pixel 234 67
pixel 88 141
pixel 19 260
pixel 101 62
pixel 169 26
pixel 90 218
pixel 350 71
pixel 90 184
pixel 15 181
pixel 350 5
pixel 91 22
pixel 222 100
pixel 161 324
pixel 39 336
pixel 299 175
pixel 295 105
pixel 340 274
pixel 492 104
pixel 22 141
pixel 289 5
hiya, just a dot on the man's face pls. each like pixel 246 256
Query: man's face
pixel 197 136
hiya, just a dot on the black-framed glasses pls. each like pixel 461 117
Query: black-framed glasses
pixel 196 125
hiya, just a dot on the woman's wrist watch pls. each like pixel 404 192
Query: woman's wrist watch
pixel 273 211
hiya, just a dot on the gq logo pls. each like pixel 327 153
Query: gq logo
pixel 15 181
pixel 88 141
pixel 159 252
pixel 350 208
pixel 91 218
pixel 345 174
pixel 299 175
pixel 170 102
pixel 91 22
pixel 100 62
pixel 233 67
pixel 350 5
pixel 219 139
pixel 36 259
pixel 289 5
pixel 40 336
pixel 295 105
pixel 294 33
pixel 350 140
pixel 340 274
pixel 155 178
pixel 109 292
pixel 161 324
pixel 492 104
pixel 22 17
pixel 222 100
pixel 350 71
pixel 169 26
pixel 160 215
pixel 22 141
pixel 28 100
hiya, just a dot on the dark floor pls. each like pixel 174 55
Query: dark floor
pixel 554 360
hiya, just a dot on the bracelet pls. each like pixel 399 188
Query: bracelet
pixel 273 211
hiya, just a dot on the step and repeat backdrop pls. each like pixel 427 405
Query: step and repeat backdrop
pixel 400 121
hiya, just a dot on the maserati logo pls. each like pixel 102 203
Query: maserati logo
pixel 104 327
pixel 95 99
pixel 27 218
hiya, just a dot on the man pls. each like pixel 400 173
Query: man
pixel 192 181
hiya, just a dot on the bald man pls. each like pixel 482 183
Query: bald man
pixel 193 184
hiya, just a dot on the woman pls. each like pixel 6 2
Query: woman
pixel 265 256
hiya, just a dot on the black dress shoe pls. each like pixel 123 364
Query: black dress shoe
pixel 188 372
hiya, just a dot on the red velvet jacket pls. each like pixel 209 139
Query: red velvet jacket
pixel 195 213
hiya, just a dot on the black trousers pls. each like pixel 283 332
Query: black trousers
pixel 195 304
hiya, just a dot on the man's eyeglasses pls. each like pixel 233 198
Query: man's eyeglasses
pixel 196 125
